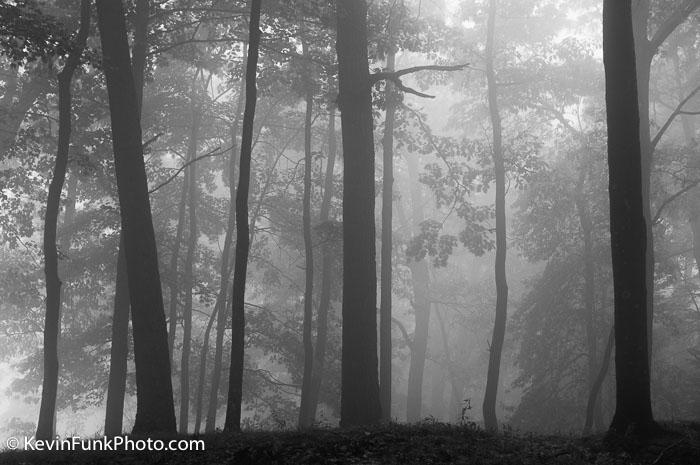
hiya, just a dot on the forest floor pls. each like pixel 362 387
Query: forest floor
pixel 425 443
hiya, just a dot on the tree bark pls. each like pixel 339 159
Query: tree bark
pixel 386 252
pixel 499 327
pixel 173 270
pixel 628 226
pixel 326 269
pixel 235 387
pixel 305 411
pixel 119 352
pixel 359 403
pixel 52 322
pixel 203 370
pixel 154 410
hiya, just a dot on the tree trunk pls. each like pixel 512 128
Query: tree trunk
pixel 305 411
pixel 203 369
pixel 628 227
pixel 451 369
pixel 114 410
pixel 588 282
pixel 593 404
pixel 386 252
pixel 326 269
pixel 189 275
pixel 359 403
pixel 52 322
pixel 499 327
pixel 222 318
pixel 235 385
pixel 420 278
pixel 154 410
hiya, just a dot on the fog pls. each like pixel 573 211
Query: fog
pixel 533 95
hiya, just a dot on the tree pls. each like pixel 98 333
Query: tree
pixel 359 397
pixel 154 411
pixel 235 385
pixel 628 226
pixel 499 327
pixel 52 324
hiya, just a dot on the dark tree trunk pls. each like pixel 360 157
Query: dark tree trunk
pixel 359 403
pixel 154 410
pixel 235 385
pixel 499 327
pixel 386 252
pixel 628 227
pixel 52 322
pixel 189 274
pixel 222 317
pixel 326 269
pixel 593 403
pixel 114 410
pixel 420 279
pixel 305 411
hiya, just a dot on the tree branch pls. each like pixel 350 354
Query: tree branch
pixel 402 328
pixel 216 151
pixel 666 202
pixel 676 112
pixel 395 76
pixel 675 20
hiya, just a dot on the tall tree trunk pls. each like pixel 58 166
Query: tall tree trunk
pixel 52 322
pixel 387 230
pixel 305 411
pixel 235 385
pixel 189 274
pixel 154 410
pixel 359 396
pixel 203 370
pixel 593 403
pixel 628 227
pixel 451 370
pixel 222 317
pixel 119 352
pixel 324 302
pixel 499 327
pixel 420 279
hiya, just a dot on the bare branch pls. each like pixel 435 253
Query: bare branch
pixel 216 151
pixel 675 20
pixel 402 328
pixel 395 76
pixel 676 112
pixel 666 202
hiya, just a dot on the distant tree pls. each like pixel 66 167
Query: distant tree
pixel 359 397
pixel 628 227
pixel 154 411
pixel 235 384
pixel 52 324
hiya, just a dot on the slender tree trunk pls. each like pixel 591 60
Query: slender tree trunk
pixel 114 410
pixel 451 369
pixel 588 281
pixel 499 327
pixel 119 353
pixel 52 322
pixel 154 410
pixel 593 404
pixel 420 278
pixel 173 270
pixel 359 396
pixel 305 411
pixel 203 369
pixel 326 270
pixel 386 252
pixel 235 385
pixel 222 318
pixel 628 227
pixel 189 274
